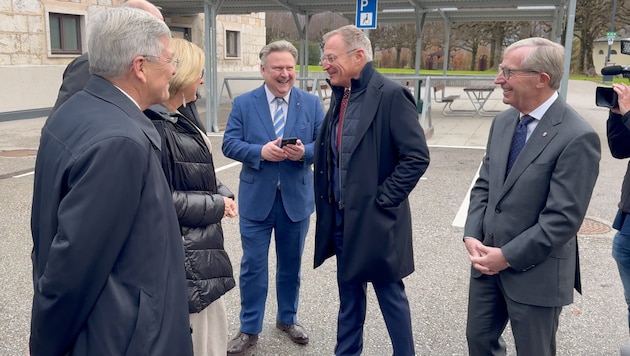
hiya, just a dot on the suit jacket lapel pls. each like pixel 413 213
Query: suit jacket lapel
pixel 544 133
pixel 262 108
pixel 295 107
pixel 505 130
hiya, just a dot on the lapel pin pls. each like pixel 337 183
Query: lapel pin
pixel 545 134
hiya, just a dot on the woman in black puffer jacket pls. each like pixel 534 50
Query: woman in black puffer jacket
pixel 201 201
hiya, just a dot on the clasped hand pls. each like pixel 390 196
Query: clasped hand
pixel 487 260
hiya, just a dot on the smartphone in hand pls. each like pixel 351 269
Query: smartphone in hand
pixel 288 141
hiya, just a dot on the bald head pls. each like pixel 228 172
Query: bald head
pixel 144 5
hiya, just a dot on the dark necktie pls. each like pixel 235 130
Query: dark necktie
pixel 518 141
pixel 342 113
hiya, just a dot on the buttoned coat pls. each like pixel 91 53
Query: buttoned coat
pixel 387 157
pixel 248 129
pixel 108 260
pixel 535 212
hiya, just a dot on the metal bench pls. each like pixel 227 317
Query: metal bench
pixel 322 95
pixel 447 100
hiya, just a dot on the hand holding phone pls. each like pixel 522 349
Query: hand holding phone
pixel 288 141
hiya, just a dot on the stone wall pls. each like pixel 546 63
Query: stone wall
pixel 33 73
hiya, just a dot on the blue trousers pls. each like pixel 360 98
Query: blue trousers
pixel 254 274
pixel 621 254
pixel 352 308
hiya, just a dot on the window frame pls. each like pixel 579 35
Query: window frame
pixel 53 10
pixel 236 54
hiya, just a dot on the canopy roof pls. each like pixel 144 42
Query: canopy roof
pixel 561 13
pixel 388 10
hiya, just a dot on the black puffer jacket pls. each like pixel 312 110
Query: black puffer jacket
pixel 198 198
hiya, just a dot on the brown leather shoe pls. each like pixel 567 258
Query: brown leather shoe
pixel 296 332
pixel 240 343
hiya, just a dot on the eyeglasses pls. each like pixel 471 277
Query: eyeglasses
pixel 203 71
pixel 508 72
pixel 171 60
pixel 331 58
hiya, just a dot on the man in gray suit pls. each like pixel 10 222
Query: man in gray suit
pixel 526 209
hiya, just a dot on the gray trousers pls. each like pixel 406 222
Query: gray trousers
pixel 489 310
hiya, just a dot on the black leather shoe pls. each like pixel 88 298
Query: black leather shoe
pixel 240 343
pixel 296 332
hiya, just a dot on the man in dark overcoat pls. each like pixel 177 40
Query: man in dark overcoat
pixel 369 155
pixel 108 259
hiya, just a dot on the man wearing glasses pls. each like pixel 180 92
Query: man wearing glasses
pixel 108 259
pixel 534 186
pixel 369 155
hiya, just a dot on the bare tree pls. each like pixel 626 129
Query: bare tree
pixel 281 26
pixel 592 20
pixel 396 36
pixel 471 36
pixel 322 23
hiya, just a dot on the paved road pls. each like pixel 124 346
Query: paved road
pixel 594 325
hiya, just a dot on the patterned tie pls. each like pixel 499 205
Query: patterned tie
pixel 342 113
pixel 278 118
pixel 518 141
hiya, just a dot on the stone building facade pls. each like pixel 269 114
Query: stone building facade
pixel 38 38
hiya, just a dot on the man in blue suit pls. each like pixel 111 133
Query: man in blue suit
pixel 275 190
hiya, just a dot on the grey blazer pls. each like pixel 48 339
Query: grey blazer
pixel 534 213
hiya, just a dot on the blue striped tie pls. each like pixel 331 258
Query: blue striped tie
pixel 278 118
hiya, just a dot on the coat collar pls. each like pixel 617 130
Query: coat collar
pixel 103 89
pixel 371 82
pixel 358 83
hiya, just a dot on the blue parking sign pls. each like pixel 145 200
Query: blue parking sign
pixel 366 14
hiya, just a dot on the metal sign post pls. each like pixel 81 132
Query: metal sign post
pixel 611 34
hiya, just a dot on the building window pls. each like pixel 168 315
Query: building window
pixel 65 33
pixel 232 44
pixel 181 32
pixel 601 52
pixel 613 51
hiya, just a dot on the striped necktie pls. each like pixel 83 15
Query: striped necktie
pixel 278 118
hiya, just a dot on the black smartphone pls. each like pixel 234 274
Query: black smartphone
pixel 288 141
pixel 606 97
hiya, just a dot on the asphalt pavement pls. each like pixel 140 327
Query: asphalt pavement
pixel 595 324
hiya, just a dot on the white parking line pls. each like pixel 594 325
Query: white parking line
pixel 460 217
pixel 228 166
pixel 24 175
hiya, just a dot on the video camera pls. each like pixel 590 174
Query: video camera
pixel 606 96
